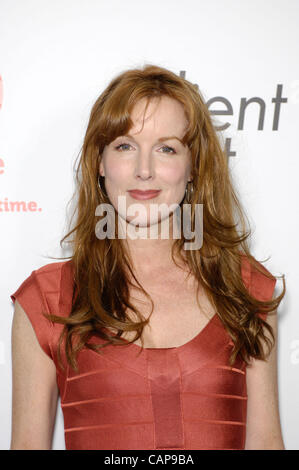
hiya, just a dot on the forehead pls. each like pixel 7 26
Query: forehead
pixel 163 114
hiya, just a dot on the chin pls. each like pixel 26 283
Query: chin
pixel 143 223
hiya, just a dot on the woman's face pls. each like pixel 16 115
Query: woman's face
pixel 141 161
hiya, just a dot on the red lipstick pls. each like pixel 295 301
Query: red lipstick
pixel 141 195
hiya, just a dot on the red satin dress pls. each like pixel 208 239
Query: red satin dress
pixel 186 397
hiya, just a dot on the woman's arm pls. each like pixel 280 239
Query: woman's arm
pixel 263 421
pixel 34 388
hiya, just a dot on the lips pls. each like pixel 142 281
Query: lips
pixel 139 194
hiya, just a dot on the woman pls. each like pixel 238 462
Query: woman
pixel 150 345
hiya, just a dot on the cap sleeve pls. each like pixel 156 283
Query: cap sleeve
pixel 30 298
pixel 260 286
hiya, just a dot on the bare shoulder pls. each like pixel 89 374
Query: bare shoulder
pixel 263 420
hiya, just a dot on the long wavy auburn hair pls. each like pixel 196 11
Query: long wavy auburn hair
pixel 102 266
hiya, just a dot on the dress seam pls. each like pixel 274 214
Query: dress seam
pixel 102 399
pixel 151 399
pixel 181 404
pixel 121 364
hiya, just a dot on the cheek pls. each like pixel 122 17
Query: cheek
pixel 116 171
pixel 174 175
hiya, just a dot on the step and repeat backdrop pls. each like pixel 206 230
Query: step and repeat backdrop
pixel 57 56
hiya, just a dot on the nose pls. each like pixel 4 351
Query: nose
pixel 144 166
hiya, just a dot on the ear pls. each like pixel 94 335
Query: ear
pixel 101 169
pixel 189 172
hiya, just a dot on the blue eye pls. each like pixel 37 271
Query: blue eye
pixel 119 146
pixel 166 147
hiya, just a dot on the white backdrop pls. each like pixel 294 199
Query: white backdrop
pixel 55 59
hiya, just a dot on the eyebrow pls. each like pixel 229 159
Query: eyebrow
pixel 160 138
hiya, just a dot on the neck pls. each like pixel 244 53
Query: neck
pixel 150 247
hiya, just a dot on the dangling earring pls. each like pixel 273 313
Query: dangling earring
pixel 99 183
pixel 188 199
